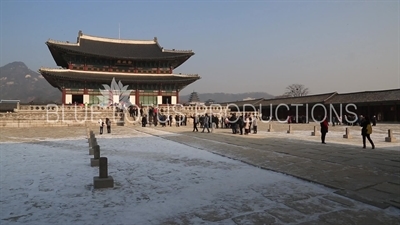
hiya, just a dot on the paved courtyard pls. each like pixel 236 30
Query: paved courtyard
pixel 167 176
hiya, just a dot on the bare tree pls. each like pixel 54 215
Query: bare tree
pixel 295 90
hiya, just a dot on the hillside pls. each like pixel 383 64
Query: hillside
pixel 18 82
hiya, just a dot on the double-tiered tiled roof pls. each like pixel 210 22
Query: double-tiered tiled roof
pixel 53 76
pixel 117 48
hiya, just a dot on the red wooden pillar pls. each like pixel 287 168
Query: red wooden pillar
pixel 137 97
pixel 177 96
pixel 63 96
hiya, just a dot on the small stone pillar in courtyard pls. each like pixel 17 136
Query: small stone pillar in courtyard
pixel 315 132
pixel 347 133
pixel 270 128
pixel 90 137
pixel 103 180
pixel 88 132
pixel 290 129
pixel 390 137
pixel 96 156
pixel 92 143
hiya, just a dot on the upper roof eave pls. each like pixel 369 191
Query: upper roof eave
pixel 60 71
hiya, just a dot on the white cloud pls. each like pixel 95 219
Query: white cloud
pixel 28 76
pixel 10 83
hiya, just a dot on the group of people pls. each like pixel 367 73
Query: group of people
pixel 366 130
pixel 236 123
pixel 107 123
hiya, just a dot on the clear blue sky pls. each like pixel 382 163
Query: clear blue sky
pixel 240 46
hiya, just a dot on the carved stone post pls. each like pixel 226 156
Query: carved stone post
pixel 96 156
pixel 315 132
pixel 270 128
pixel 390 137
pixel 103 180
pixel 347 134
pixel 93 142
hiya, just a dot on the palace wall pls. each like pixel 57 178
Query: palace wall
pixel 75 115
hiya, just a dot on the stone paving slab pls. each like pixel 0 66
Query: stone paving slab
pixel 340 166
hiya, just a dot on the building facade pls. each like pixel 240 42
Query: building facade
pixel 383 104
pixel 93 62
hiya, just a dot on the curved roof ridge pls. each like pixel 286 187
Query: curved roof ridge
pixel 331 96
pixel 115 40
pixel 62 42
pixel 364 92
pixel 304 96
pixel 175 50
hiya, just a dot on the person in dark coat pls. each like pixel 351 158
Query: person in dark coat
pixel 195 122
pixel 144 121
pixel 241 124
pixel 374 120
pixel 206 123
pixel 365 132
pixel 324 129
pixel 108 124
pixel 233 121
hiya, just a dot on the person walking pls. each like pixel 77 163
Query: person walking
pixel 254 124
pixel 232 120
pixel 195 122
pixel 206 123
pixel 108 123
pixel 101 124
pixel 241 124
pixel 324 129
pixel 247 125
pixel 366 131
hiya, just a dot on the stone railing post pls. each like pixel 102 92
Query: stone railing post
pixel 315 132
pixel 93 142
pixel 390 137
pixel 347 133
pixel 270 128
pixel 96 156
pixel 103 180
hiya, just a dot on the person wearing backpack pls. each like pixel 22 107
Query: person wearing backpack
pixel 366 131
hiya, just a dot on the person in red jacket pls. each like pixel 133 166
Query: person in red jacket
pixel 324 130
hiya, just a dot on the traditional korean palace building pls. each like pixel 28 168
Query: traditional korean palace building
pixel 384 104
pixel 92 62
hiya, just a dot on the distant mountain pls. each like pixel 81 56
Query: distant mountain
pixel 18 82
pixel 225 97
